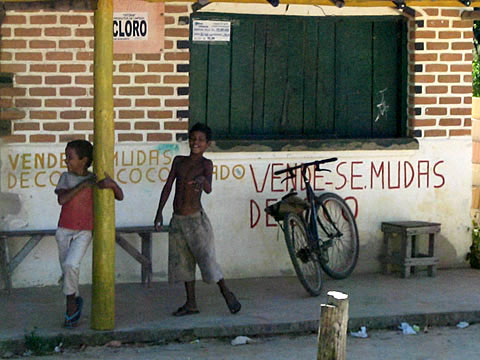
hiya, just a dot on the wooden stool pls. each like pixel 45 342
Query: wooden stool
pixel 409 257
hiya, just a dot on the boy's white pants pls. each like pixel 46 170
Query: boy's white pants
pixel 72 245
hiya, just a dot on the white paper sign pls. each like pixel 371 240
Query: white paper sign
pixel 130 26
pixel 207 30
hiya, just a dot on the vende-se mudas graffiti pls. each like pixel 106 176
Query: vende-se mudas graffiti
pixel 356 175
pixel 345 176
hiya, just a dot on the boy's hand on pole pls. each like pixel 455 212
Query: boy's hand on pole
pixel 106 182
pixel 109 183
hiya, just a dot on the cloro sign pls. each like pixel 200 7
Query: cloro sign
pixel 128 26
pixel 138 27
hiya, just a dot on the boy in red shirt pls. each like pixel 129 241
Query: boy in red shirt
pixel 74 233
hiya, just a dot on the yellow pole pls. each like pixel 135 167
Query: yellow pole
pixel 103 277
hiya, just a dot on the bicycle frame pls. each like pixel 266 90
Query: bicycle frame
pixel 312 232
pixel 311 218
pixel 312 229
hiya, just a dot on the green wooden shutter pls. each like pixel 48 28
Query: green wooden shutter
pixel 293 77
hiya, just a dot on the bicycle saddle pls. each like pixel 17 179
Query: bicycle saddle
pixel 291 193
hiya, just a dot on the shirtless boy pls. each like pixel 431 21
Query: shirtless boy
pixel 190 237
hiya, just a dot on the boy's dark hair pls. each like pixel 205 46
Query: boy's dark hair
pixel 202 128
pixel 83 148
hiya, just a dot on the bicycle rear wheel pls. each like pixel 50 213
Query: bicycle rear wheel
pixel 338 236
pixel 305 261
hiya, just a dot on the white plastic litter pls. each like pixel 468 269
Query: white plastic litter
pixel 360 334
pixel 28 353
pixel 407 329
pixel 241 340
pixel 58 348
pixel 114 343
pixel 463 324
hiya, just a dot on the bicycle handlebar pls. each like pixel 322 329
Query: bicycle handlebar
pixel 317 163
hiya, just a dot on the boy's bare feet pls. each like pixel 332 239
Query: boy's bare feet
pixel 185 310
pixel 233 304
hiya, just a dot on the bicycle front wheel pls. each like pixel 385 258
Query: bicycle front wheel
pixel 305 261
pixel 338 236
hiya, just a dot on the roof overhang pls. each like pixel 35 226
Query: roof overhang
pixel 356 3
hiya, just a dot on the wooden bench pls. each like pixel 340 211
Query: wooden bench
pixel 409 257
pixel 144 256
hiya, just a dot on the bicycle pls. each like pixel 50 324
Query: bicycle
pixel 321 232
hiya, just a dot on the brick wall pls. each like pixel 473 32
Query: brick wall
pixel 51 55
pixel 440 73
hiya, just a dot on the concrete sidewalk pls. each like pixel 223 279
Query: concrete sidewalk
pixel 269 306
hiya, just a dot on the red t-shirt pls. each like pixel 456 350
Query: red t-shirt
pixel 77 214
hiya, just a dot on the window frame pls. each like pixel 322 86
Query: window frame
pixel 245 140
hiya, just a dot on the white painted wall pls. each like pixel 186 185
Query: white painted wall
pixel 432 183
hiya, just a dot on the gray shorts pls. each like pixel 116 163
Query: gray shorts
pixel 191 242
